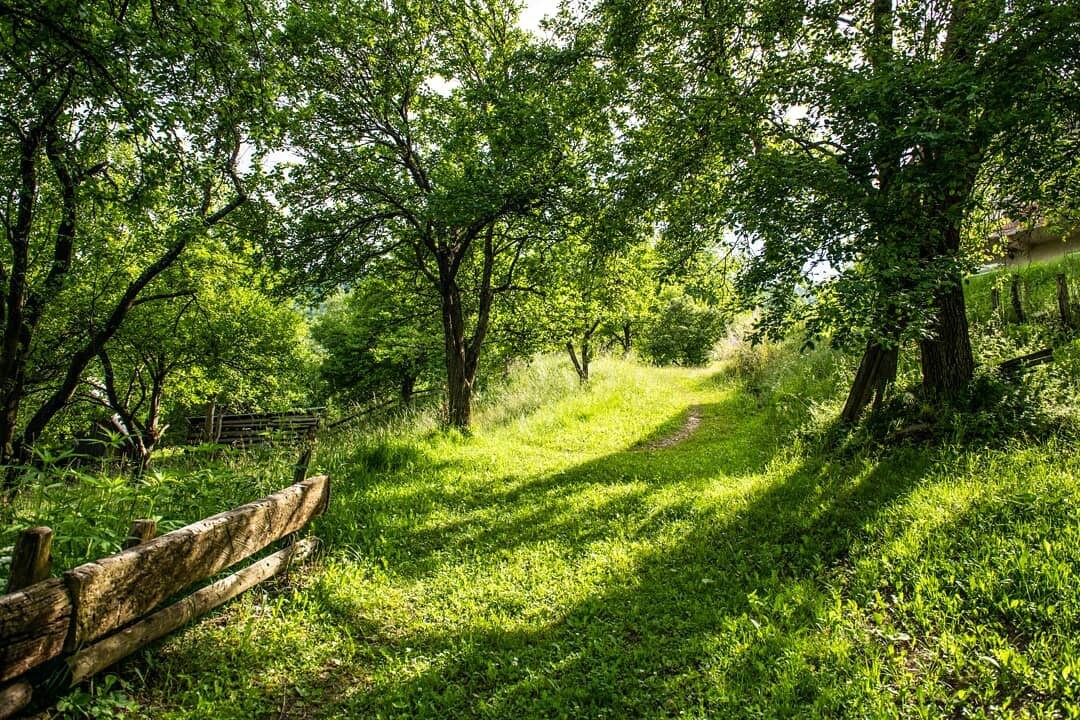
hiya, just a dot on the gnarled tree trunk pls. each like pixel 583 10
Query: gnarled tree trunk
pixel 947 361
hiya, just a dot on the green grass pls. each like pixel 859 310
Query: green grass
pixel 1038 289
pixel 548 566
pixel 90 507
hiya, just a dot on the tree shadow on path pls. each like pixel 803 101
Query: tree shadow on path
pixel 723 592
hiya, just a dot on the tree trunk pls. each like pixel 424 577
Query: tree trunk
pixel 1017 306
pixel 209 431
pixel 1064 302
pixel 460 372
pixel 626 338
pixel 876 372
pixel 463 353
pixel 408 386
pixel 458 392
pixel 582 368
pixel 947 362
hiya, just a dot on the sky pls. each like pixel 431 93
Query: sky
pixel 534 11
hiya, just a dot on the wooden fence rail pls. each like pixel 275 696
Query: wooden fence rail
pixel 55 632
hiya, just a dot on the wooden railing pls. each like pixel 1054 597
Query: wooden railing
pixel 56 632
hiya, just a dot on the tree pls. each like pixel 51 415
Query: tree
pixel 218 337
pixel 381 338
pixel 854 136
pixel 437 135
pixel 120 123
pixel 681 330
pixel 591 287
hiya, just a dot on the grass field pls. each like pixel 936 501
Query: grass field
pixel 551 565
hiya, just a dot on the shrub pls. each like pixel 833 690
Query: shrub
pixel 681 331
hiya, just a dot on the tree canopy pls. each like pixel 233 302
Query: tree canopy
pixel 458 186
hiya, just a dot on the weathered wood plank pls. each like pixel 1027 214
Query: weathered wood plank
pixel 313 412
pixel 14 698
pixel 32 560
pixel 1011 367
pixel 106 652
pixel 254 429
pixel 112 592
pixel 33 625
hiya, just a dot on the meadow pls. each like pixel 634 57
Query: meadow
pixel 552 565
pixel 664 542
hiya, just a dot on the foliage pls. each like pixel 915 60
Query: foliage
pixel 593 292
pixel 741 571
pixel 212 334
pixel 436 138
pixel 848 146
pixel 90 506
pixel 681 330
pixel 102 701
pixel 381 339
pixel 1038 290
pixel 119 149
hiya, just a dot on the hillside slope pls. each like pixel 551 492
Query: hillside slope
pixel 551 565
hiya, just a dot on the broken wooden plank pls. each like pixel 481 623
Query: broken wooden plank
pixel 1011 367
pixel 32 560
pixel 114 591
pixel 34 623
pixel 106 652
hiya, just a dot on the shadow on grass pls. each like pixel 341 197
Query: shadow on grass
pixel 717 597
pixel 677 632
pixel 518 511
pixel 730 550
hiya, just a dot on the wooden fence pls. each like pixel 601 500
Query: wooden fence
pixel 56 632
pixel 254 429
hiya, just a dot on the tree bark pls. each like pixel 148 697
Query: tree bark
pixel 1017 306
pixel 460 372
pixel 463 350
pixel 1064 302
pixel 408 387
pixel 877 371
pixel 947 361
pixel 582 369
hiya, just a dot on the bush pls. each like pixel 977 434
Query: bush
pixel 681 331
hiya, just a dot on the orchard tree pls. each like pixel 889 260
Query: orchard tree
pixel 215 335
pixel 852 137
pixel 591 289
pixel 121 126
pixel 439 135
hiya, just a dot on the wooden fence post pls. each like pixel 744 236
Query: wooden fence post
pixel 1017 307
pixel 301 467
pixel 32 560
pixel 140 532
pixel 1064 302
pixel 14 698
pixel 995 301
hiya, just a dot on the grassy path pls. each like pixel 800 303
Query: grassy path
pixel 550 567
